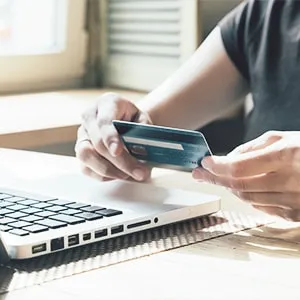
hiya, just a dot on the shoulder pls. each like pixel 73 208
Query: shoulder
pixel 247 17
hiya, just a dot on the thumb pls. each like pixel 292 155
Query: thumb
pixel 143 117
pixel 99 126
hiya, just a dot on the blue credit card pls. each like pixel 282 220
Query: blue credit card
pixel 163 147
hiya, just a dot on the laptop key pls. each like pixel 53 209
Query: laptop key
pixel 36 228
pixel 71 211
pixel 31 218
pixel 5 211
pixel 60 202
pixel 77 205
pixel 6 220
pixel 89 216
pixel 18 207
pixel 31 210
pixel 19 232
pixel 92 208
pixel 56 208
pixel 5 228
pixel 19 224
pixel 42 205
pixel 45 214
pixel 5 203
pixel 15 199
pixel 16 215
pixel 109 212
pixel 28 195
pixel 5 196
pixel 28 202
pixel 68 219
pixel 51 223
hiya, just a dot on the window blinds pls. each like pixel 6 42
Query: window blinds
pixel 145 40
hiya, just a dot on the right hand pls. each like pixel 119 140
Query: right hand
pixel 99 148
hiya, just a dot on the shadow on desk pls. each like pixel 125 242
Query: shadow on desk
pixel 20 274
pixel 241 245
pixel 6 277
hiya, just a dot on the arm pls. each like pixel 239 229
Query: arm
pixel 201 90
pixel 204 88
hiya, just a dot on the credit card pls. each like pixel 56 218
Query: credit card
pixel 164 147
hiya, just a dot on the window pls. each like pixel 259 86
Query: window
pixel 146 41
pixel 19 33
pixel 42 44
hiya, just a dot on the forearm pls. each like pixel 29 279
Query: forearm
pixel 203 89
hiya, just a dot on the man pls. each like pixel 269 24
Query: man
pixel 254 49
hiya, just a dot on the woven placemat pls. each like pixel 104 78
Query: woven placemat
pixel 20 274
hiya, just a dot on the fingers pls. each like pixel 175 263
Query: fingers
pixel 261 142
pixel 130 166
pixel 282 200
pixel 143 117
pixel 94 163
pixel 104 138
pixel 267 153
pixel 98 121
pixel 112 106
pixel 105 153
pixel 263 172
pixel 275 182
pixel 126 163
pixel 88 172
pixel 287 214
pixel 81 137
pixel 251 163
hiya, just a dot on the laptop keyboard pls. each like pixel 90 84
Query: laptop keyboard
pixel 23 215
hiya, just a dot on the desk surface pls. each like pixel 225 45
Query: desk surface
pixel 34 120
pixel 262 263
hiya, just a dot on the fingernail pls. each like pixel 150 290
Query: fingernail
pixel 138 174
pixel 113 148
pixel 206 164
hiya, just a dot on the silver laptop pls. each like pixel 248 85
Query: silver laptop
pixel 74 210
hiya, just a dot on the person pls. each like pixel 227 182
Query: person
pixel 254 49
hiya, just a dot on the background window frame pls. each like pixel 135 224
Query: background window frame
pixel 49 71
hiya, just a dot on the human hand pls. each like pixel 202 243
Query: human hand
pixel 98 145
pixel 264 172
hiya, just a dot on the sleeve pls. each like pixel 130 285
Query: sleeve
pixel 234 35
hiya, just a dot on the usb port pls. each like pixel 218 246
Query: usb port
pixel 86 236
pixel 39 248
pixel 117 229
pixel 100 233
pixel 57 244
pixel 73 240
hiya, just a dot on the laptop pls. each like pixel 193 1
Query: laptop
pixel 74 210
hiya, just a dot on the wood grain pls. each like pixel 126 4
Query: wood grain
pixel 262 263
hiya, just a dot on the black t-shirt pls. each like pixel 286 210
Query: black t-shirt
pixel 262 38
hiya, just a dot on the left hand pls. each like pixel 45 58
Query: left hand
pixel 264 172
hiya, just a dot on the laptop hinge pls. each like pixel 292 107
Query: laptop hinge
pixel 3 254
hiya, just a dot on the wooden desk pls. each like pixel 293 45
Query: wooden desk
pixel 36 120
pixel 261 263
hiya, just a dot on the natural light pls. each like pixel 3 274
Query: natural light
pixel 31 26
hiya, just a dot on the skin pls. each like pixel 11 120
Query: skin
pixel 264 172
